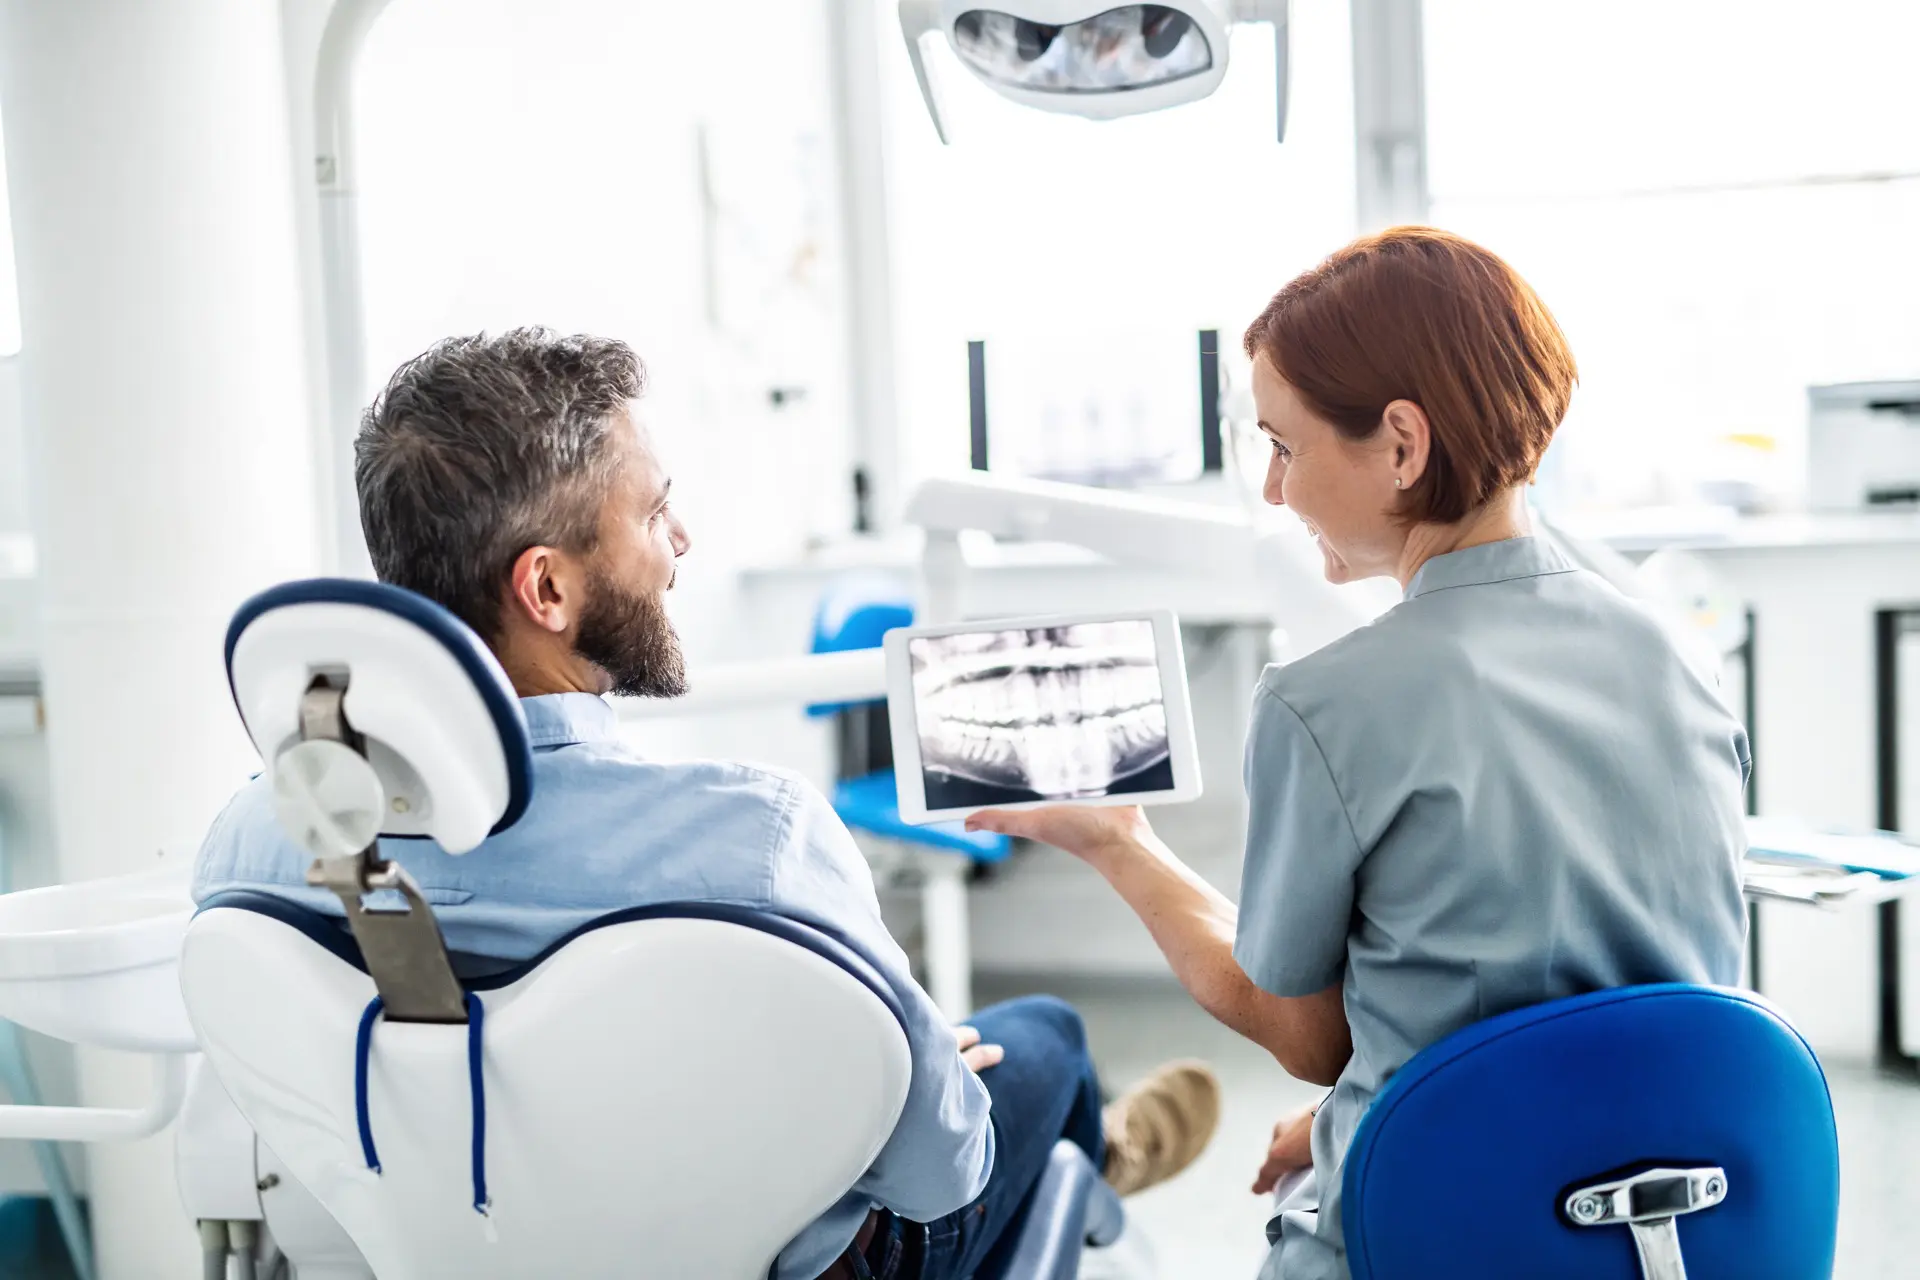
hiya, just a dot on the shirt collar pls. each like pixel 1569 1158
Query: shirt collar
pixel 1490 562
pixel 562 719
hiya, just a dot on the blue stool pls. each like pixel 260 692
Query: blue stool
pixel 1600 1138
pixel 857 614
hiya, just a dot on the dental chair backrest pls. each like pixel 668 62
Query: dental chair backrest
pixel 671 1091
pixel 1657 1131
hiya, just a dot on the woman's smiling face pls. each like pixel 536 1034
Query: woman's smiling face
pixel 1342 489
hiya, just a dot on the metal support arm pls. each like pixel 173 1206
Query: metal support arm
pixel 1647 1204
pixel 103 1124
pixel 405 954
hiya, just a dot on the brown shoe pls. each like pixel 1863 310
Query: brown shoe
pixel 1160 1126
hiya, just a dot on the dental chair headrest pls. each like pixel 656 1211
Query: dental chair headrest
pixel 444 733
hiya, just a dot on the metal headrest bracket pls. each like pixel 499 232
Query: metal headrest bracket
pixel 316 781
pixel 1648 1203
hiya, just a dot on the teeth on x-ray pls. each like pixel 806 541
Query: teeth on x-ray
pixel 1037 710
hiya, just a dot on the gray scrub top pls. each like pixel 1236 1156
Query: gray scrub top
pixel 1509 788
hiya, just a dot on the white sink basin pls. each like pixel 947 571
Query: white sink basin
pixel 97 963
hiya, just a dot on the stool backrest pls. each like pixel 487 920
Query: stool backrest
pixel 1467 1163
pixel 676 1091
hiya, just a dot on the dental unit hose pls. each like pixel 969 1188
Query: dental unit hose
pixel 213 1250
pixel 246 1247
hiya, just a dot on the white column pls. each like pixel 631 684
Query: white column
pixel 859 112
pixel 947 931
pixel 168 423
pixel 1389 113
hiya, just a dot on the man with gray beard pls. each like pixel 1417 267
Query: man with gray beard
pixel 510 479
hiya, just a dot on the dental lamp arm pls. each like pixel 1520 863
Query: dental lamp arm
pixel 1274 11
pixel 1193 924
pixel 918 20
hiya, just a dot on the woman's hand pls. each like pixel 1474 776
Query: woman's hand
pixel 1085 831
pixel 1291 1149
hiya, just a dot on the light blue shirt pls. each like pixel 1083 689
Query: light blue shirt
pixel 1508 789
pixel 608 829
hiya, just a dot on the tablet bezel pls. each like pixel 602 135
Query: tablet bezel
pixel 1184 753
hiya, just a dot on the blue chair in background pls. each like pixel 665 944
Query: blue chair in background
pixel 1657 1131
pixel 856 614
pixel 18 1084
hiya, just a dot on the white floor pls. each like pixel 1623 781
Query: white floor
pixel 1207 1224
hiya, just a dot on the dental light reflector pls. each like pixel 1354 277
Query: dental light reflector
pixel 1131 47
pixel 1090 57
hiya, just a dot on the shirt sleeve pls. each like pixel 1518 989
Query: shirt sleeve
pixel 1297 884
pixel 941 1151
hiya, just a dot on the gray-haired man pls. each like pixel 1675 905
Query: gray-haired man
pixel 510 479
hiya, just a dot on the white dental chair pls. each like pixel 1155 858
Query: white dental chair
pixel 672 1091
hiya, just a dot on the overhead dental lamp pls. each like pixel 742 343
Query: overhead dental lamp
pixel 1090 57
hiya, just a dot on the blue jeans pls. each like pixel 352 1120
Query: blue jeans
pixel 1044 1090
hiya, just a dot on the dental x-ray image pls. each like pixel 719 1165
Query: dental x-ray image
pixel 1048 713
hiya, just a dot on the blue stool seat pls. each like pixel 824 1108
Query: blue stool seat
pixel 1467 1163
pixel 872 804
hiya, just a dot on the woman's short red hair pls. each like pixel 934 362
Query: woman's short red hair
pixel 1417 314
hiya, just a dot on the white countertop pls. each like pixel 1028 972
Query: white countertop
pixel 1719 528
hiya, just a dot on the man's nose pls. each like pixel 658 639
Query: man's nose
pixel 682 541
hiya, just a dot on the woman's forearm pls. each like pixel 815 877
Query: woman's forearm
pixel 1193 924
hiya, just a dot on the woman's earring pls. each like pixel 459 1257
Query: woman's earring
pixel 1396 482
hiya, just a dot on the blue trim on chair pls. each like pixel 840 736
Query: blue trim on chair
pixel 330 933
pixel 362 1056
pixel 476 1088
pixel 824 945
pixel 454 635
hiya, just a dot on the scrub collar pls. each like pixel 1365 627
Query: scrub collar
pixel 563 719
pixel 1503 561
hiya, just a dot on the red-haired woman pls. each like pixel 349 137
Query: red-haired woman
pixel 1508 789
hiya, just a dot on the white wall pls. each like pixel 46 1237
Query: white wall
pixel 1715 198
pixel 1815 760
pixel 589 165
pixel 1033 225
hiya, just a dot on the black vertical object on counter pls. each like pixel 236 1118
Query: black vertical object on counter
pixel 1888 626
pixel 1212 452
pixel 977 402
pixel 862 501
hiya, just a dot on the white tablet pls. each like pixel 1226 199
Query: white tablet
pixel 1019 712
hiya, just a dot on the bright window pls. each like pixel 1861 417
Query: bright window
pixel 1100 245
pixel 1717 199
pixel 592 165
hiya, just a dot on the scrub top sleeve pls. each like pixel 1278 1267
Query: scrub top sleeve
pixel 1296 888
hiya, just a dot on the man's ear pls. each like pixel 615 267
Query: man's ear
pixel 1408 437
pixel 542 589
